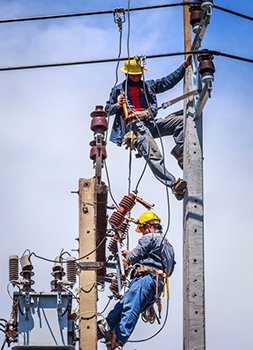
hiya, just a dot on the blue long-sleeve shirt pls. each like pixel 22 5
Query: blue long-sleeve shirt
pixel 150 252
pixel 152 87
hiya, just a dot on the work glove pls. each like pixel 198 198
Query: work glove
pixel 130 141
pixel 188 61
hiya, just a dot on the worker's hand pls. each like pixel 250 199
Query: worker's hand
pixel 130 140
pixel 125 252
pixel 121 99
pixel 188 61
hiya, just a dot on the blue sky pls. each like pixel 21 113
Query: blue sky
pixel 45 134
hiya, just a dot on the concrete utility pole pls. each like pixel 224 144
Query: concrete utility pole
pixel 193 250
pixel 92 229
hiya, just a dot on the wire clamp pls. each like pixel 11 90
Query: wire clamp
pixel 119 16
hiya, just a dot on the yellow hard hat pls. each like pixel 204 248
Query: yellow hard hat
pixel 133 67
pixel 147 217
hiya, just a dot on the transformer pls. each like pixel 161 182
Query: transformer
pixel 44 321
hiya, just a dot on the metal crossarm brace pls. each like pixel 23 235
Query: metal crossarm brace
pixel 203 97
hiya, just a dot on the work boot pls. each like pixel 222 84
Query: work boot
pixel 179 189
pixel 177 152
pixel 109 336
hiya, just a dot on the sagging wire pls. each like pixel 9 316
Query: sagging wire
pixel 119 22
pixel 77 259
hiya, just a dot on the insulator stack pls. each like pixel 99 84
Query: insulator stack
pixel 27 272
pixel 93 150
pixel 99 126
pixel 195 17
pixel 124 227
pixel 114 287
pixel 99 121
pixel 206 67
pixel 125 206
pixel 113 246
pixel 13 268
pixel 71 269
pixel 58 273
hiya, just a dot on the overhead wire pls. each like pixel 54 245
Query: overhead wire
pixel 51 65
pixel 141 8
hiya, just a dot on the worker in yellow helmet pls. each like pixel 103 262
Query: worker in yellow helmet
pixel 134 103
pixel 153 260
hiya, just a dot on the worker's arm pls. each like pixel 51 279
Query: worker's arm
pixel 168 82
pixel 141 250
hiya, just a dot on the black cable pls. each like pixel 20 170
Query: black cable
pixel 11 20
pixel 50 65
pixel 3 319
pixel 233 12
pixel 77 259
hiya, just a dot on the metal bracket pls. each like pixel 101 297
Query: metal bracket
pixel 203 97
pixel 99 139
pixel 96 265
pixel 119 16
pixel 205 20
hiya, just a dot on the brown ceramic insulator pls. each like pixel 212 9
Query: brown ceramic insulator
pixel 99 112
pixel 128 202
pixel 99 123
pixel 114 288
pixel 206 65
pixel 196 13
pixel 124 227
pixel 116 219
pixel 113 246
pixel 93 153
pixel 93 143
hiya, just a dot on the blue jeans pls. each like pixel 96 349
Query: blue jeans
pixel 138 298
pixel 146 131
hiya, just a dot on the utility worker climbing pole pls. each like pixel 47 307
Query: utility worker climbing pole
pixel 152 261
pixel 135 124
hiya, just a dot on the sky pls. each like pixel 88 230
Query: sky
pixel 44 142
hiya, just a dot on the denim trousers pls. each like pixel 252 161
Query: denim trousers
pixel 148 130
pixel 139 297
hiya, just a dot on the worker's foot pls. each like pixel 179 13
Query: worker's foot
pixel 179 189
pixel 102 332
pixel 177 152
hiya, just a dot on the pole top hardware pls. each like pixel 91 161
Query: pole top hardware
pixel 119 16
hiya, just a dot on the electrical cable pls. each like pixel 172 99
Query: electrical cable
pixel 81 14
pixel 52 65
pixel 233 12
pixel 110 103
pixel 11 20
pixel 77 259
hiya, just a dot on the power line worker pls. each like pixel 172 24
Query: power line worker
pixel 141 103
pixel 152 260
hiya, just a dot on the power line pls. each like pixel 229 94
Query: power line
pixel 81 14
pixel 11 20
pixel 50 65
pixel 233 12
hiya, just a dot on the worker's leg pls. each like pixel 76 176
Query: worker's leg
pixel 171 125
pixel 148 148
pixel 114 315
pixel 140 294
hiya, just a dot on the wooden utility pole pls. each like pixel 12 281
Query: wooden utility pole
pixel 92 229
pixel 193 249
